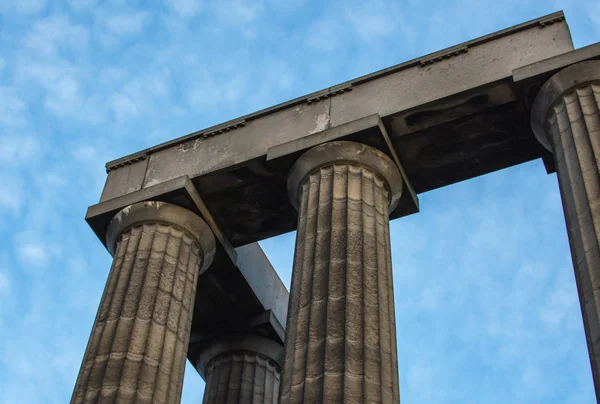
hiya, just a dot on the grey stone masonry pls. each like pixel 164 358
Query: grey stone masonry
pixel 241 369
pixel 138 345
pixel 341 333
pixel 566 120
pixel 241 378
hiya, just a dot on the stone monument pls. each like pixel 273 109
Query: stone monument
pixel 182 219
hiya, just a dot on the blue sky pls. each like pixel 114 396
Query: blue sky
pixel 486 304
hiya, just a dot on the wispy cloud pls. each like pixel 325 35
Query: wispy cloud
pixel 5 283
pixel 23 6
pixel 127 24
pixel 52 34
pixel 185 8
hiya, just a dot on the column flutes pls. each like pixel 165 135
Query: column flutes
pixel 341 334
pixel 139 341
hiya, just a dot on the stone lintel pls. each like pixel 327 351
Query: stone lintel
pixel 556 19
pixel 449 116
pixel 542 70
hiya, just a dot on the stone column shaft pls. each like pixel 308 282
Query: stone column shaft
pixel 138 345
pixel 241 369
pixel 566 119
pixel 241 378
pixel 341 334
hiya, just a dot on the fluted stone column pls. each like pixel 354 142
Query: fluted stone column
pixel 138 345
pixel 566 120
pixel 241 369
pixel 341 332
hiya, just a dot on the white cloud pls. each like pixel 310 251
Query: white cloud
pixel 33 254
pixel 185 8
pixel 374 20
pixel 420 377
pixel 207 90
pixel 555 313
pixel 15 150
pixel 30 6
pixel 36 247
pixel 23 6
pixel 12 108
pixel 239 12
pixel 287 5
pixel 86 153
pixel 11 195
pixel 324 35
pixel 82 5
pixel 533 378
pixel 65 97
pixel 54 58
pixel 67 88
pixel 53 33
pixel 127 24
pixel 5 284
pixel 124 106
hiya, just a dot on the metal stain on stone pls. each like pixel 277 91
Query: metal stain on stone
pixel 322 121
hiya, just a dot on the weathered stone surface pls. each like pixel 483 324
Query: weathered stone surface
pixel 241 369
pixel 341 335
pixel 137 348
pixel 451 115
pixel 241 378
pixel 566 119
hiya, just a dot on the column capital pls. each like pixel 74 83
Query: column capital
pixel 248 343
pixel 345 152
pixel 166 213
pixel 568 79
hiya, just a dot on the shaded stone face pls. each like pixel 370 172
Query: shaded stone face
pixel 341 335
pixel 137 349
